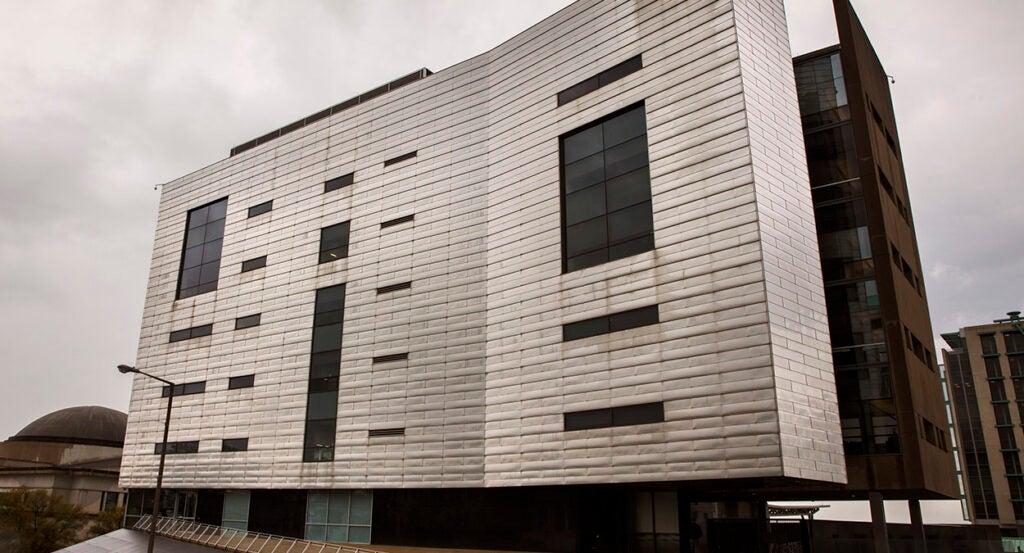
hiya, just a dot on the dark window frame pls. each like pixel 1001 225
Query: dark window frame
pixel 608 76
pixel 189 333
pixel 178 448
pixel 618 221
pixel 260 209
pixel 612 417
pixel 401 158
pixel 254 263
pixel 398 221
pixel 339 182
pixel 248 321
pixel 186 389
pixel 241 381
pixel 330 252
pixel 234 444
pixel 613 322
pixel 394 287
pixel 207 267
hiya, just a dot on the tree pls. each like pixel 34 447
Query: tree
pixel 41 522
pixel 107 521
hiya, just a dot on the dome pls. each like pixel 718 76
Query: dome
pixel 91 425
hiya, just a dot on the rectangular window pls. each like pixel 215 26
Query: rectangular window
pixel 401 158
pixel 339 516
pixel 384 432
pixel 334 242
pixel 988 344
pixel 260 209
pixel 394 287
pixel 200 256
pixel 235 444
pixel 391 357
pixel 324 371
pixel 626 415
pixel 606 77
pixel 398 221
pixel 606 191
pixel 253 264
pixel 339 182
pixel 1014 342
pixel 174 448
pixel 633 318
pixel 246 381
pixel 189 333
pixel 248 321
pixel 186 389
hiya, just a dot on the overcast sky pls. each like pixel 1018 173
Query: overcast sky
pixel 100 101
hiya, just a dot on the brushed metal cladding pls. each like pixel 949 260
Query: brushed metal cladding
pixel 740 357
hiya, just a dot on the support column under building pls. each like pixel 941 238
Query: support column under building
pixel 917 526
pixel 879 530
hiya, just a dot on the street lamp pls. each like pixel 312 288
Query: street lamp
pixel 125 369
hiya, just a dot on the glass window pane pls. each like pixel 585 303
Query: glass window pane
pixel 198 217
pixel 585 172
pixel 193 257
pixel 629 189
pixel 326 338
pixel 362 507
pixel 583 420
pixel 190 277
pixel 214 230
pixel 322 405
pixel 316 507
pixel 211 250
pixel 209 272
pixel 337 534
pixel 236 505
pixel 585 328
pixel 330 299
pixel 218 210
pixel 625 157
pixel 195 237
pixel 586 260
pixel 338 513
pixel 323 364
pixel 585 204
pixel 320 434
pixel 633 318
pixel 631 222
pixel 629 125
pixel 581 144
pixel 632 247
pixel 359 534
pixel 316 532
pixel 586 236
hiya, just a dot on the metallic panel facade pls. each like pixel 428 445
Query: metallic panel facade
pixel 740 358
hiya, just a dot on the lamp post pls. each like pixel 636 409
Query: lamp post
pixel 125 369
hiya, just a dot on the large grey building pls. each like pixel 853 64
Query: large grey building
pixel 570 286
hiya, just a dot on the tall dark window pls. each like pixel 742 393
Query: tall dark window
pixel 200 258
pixel 606 191
pixel 334 242
pixel 324 369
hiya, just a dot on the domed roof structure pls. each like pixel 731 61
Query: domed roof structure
pixel 87 425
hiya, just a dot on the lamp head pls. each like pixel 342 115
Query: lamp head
pixel 125 369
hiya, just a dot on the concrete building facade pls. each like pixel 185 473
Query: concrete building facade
pixel 985 364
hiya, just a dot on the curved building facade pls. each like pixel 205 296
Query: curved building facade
pixel 578 269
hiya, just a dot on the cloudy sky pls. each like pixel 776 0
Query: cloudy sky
pixel 101 101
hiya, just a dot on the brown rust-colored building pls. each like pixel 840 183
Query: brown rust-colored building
pixel 889 391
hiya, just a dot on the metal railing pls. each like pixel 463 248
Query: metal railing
pixel 240 541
